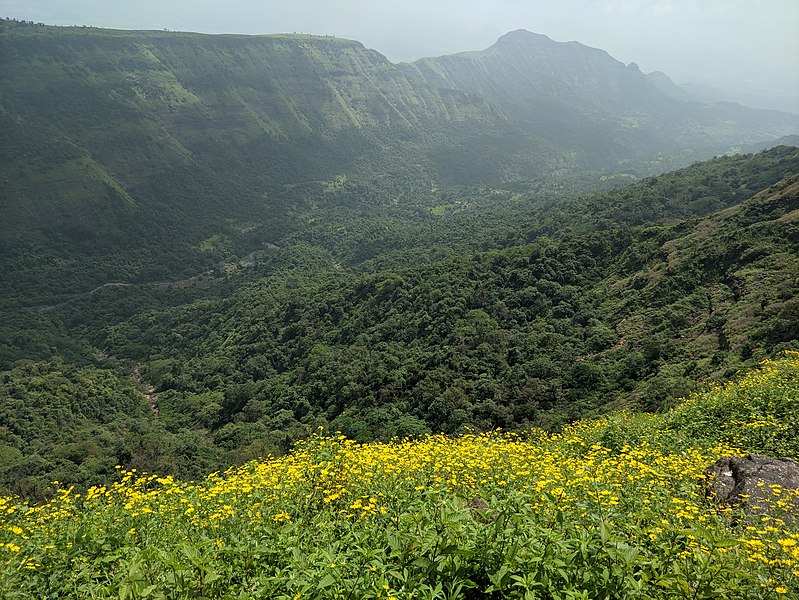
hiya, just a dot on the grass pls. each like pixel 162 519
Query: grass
pixel 605 509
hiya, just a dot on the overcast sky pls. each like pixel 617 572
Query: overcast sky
pixel 751 46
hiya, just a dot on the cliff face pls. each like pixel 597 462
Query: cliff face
pixel 182 94
pixel 524 68
pixel 140 102
pixel 119 140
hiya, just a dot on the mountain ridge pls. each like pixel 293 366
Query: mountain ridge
pixel 584 96
pixel 219 248
pixel 102 129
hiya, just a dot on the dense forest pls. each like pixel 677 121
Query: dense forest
pixel 212 245
pixel 453 312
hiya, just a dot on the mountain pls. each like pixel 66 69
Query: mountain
pixel 140 156
pixel 594 104
pixel 565 90
pixel 664 83
pixel 223 248
pixel 212 243
pixel 123 146
pixel 787 140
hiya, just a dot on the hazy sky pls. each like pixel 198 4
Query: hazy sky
pixel 751 46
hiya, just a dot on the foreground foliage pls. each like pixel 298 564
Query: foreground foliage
pixel 607 508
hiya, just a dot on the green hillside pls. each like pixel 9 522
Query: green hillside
pixel 280 318
pixel 214 244
pixel 611 508
pixel 540 331
pixel 124 153
pixel 129 149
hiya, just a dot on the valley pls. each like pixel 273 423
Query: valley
pixel 283 232
pixel 275 256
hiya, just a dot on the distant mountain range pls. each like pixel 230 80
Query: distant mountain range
pixel 112 142
pixel 583 99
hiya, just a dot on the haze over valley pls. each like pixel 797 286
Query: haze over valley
pixel 297 258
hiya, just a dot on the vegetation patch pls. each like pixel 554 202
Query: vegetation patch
pixel 217 243
pixel 613 507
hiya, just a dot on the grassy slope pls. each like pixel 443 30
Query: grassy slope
pixel 608 508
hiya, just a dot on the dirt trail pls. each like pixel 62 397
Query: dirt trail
pixel 162 284
pixel 149 389
pixel 247 261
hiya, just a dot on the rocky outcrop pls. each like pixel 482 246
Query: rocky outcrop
pixel 756 481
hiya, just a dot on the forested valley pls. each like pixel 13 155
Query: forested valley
pixel 467 308
pixel 213 245
pixel 282 318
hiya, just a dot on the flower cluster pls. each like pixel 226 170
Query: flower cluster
pixel 333 507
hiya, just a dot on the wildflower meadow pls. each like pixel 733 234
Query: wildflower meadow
pixel 607 508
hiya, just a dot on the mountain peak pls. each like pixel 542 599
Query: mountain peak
pixel 522 37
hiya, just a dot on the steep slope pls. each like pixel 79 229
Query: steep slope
pixel 664 83
pixel 142 156
pixel 534 333
pixel 630 298
pixel 142 145
pixel 610 508
pixel 535 76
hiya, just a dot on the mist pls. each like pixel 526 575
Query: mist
pixel 745 51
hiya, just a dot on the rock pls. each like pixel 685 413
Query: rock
pixel 478 503
pixel 756 481
pixel 480 510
